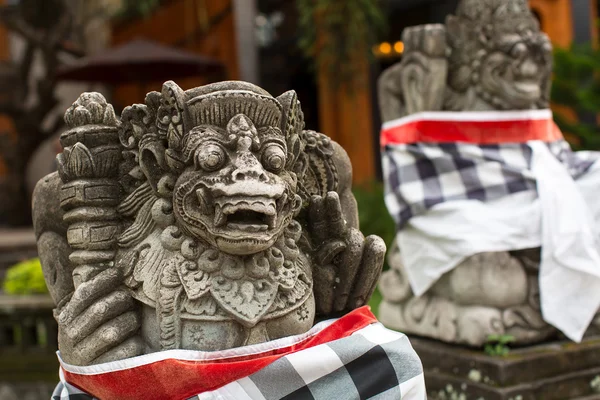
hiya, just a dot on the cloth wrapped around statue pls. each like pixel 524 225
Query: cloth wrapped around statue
pixel 459 184
pixel 350 357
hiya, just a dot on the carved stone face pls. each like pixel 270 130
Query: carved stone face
pixel 235 192
pixel 515 74
pixel 498 49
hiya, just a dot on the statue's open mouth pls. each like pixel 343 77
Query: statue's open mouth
pixel 527 88
pixel 238 219
pixel 258 214
pixel 522 93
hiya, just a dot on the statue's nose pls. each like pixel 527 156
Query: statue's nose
pixel 249 168
pixel 528 68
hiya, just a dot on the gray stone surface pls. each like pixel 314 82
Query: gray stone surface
pixel 26 391
pixel 490 55
pixel 28 364
pixel 203 219
pixel 551 371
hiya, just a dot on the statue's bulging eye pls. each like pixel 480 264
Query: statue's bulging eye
pixel 211 157
pixel 273 158
pixel 519 50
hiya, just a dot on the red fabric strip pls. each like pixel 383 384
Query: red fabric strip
pixel 477 132
pixel 179 379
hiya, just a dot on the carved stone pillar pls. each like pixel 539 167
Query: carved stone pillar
pixel 88 168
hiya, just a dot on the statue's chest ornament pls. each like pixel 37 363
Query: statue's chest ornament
pixel 184 278
pixel 245 287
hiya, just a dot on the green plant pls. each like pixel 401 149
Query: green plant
pixel 25 277
pixel 374 302
pixel 576 85
pixel 340 34
pixel 498 345
pixel 374 218
pixel 137 8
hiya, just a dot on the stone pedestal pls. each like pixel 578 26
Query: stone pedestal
pixel 553 371
pixel 28 344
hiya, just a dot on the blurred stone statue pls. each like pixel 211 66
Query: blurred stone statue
pixel 203 219
pixel 491 55
pixel 467 132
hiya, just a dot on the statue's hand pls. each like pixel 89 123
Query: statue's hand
pixel 100 322
pixel 347 265
pixel 424 68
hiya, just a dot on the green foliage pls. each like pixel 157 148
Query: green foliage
pixel 340 34
pixel 25 278
pixel 577 85
pixel 137 8
pixel 374 302
pixel 374 217
pixel 498 345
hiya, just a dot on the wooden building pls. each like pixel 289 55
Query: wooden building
pixel 205 27
pixel 6 126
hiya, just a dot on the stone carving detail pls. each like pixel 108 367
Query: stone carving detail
pixel 203 219
pixel 490 55
pixel 88 167
pixel 487 294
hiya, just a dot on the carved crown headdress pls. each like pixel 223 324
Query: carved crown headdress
pixel 501 16
pixel 157 128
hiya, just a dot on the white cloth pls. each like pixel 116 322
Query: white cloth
pixel 562 219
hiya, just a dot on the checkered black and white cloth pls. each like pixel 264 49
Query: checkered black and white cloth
pixel 419 176
pixel 66 391
pixel 372 363
pixel 463 183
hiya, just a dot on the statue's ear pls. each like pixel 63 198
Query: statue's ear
pixel 141 133
pixel 293 118
pixel 170 115
pixel 292 124
pixel 152 160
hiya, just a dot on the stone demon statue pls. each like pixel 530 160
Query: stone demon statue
pixel 203 219
pixel 490 55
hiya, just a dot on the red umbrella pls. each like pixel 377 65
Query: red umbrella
pixel 139 61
